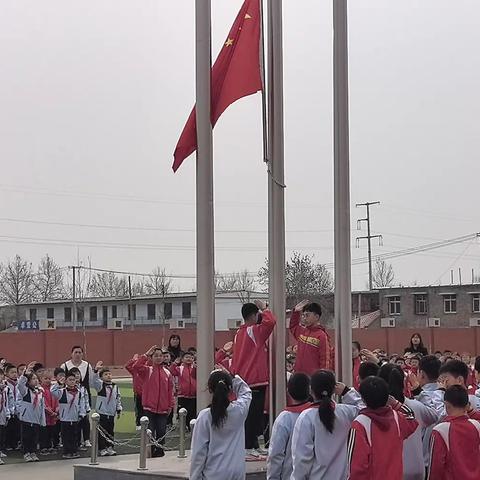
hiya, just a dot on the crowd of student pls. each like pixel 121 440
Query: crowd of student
pixel 403 416
pixel 43 412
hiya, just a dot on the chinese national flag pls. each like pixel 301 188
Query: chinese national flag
pixel 235 74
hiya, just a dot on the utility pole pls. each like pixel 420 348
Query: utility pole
pixel 368 237
pixel 74 300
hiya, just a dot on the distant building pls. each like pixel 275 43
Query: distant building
pixel 176 310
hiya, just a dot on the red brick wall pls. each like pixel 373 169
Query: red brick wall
pixel 116 347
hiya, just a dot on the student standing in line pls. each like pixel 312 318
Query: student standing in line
pixel 7 407
pixel 279 461
pixel 31 412
pixel 375 443
pixel 455 442
pixel 319 443
pixel 219 437
pixel 13 427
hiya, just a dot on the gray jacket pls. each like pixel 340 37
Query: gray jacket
pixel 7 404
pixel 108 397
pixel 71 404
pixel 30 403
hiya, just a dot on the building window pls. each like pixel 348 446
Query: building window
pixel 186 310
pixel 93 314
pixel 151 311
pixel 50 313
pixel 134 311
pixel 67 313
pixel 394 305
pixel 105 313
pixel 450 304
pixel 476 303
pixel 114 311
pixel 33 314
pixel 421 305
pixel 167 310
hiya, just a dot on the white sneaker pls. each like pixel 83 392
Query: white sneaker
pixel 87 444
pixel 138 428
pixel 3 455
pixel 2 462
pixel 251 453
pixel 34 457
pixel 28 457
pixel 261 451
pixel 111 452
pixel 103 453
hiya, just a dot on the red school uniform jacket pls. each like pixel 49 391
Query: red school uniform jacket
pixel 157 394
pixel 223 359
pixel 137 379
pixel 314 350
pixel 375 443
pixel 187 379
pixel 250 354
pixel 455 450
pixel 51 407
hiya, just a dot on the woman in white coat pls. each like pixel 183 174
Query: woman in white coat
pixel 218 441
pixel 425 415
pixel 319 443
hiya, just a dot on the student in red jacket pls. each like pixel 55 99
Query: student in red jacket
pixel 375 444
pixel 250 362
pixel 157 394
pixel 315 351
pixel 137 381
pixel 186 373
pixel 455 442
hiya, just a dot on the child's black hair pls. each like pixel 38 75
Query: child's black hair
pixel 477 364
pixel 29 377
pixel 58 371
pixel 249 309
pixel 220 385
pixel 103 371
pixel 188 352
pixel 456 368
pixel 9 366
pixel 457 396
pixel 299 387
pixel 395 379
pixel 367 369
pixel 374 392
pixel 322 384
pixel 430 365
pixel 70 374
pixel 74 370
pixel 313 307
pixel 38 366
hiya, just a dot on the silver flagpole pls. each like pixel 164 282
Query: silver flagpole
pixel 276 202
pixel 343 307
pixel 204 191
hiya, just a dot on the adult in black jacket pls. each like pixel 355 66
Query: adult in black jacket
pixel 416 345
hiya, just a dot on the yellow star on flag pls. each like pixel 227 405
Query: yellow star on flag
pixel 247 16
pixel 229 42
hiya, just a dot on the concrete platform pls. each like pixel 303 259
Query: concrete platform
pixel 167 468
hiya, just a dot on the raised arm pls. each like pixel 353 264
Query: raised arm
pixel 243 393
pixel 264 329
pixel 295 328
pixel 96 382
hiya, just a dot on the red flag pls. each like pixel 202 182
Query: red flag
pixel 235 74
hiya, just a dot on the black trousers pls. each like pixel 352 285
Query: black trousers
pixel 190 405
pixel 69 437
pixel 157 423
pixel 49 436
pixel 3 438
pixel 83 429
pixel 107 422
pixel 30 433
pixel 254 421
pixel 139 413
pixel 13 433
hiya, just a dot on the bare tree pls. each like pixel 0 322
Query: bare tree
pixel 303 277
pixel 241 283
pixel 16 281
pixel 158 283
pixel 383 274
pixel 49 280
pixel 108 284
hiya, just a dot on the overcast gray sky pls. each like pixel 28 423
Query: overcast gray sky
pixel 94 94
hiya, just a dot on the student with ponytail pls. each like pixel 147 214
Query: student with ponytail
pixel 218 440
pixel 319 443
pixel 426 415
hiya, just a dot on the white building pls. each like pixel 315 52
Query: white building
pixel 179 310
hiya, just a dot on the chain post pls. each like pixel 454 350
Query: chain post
pixel 143 444
pixel 94 421
pixel 182 422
